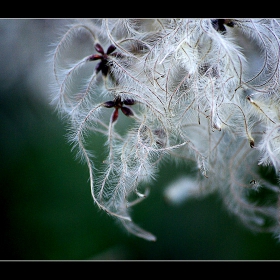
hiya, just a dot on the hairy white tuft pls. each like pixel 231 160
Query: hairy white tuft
pixel 201 92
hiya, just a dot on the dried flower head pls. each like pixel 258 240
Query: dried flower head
pixel 204 91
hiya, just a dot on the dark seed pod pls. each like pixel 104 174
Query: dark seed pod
pixel 110 49
pixel 115 115
pixel 99 48
pixel 94 57
pixel 252 143
pixel 127 111
pixel 219 24
pixel 129 101
pixel 109 104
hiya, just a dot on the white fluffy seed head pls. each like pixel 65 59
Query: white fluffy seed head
pixel 181 89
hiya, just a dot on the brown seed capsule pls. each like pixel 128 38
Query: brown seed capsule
pixel 115 115
pixel 117 103
pixel 110 49
pixel 127 111
pixel 103 65
pixel 129 102
pixel 99 48
pixel 252 143
pixel 109 104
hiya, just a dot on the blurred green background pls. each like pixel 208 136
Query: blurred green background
pixel 47 212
